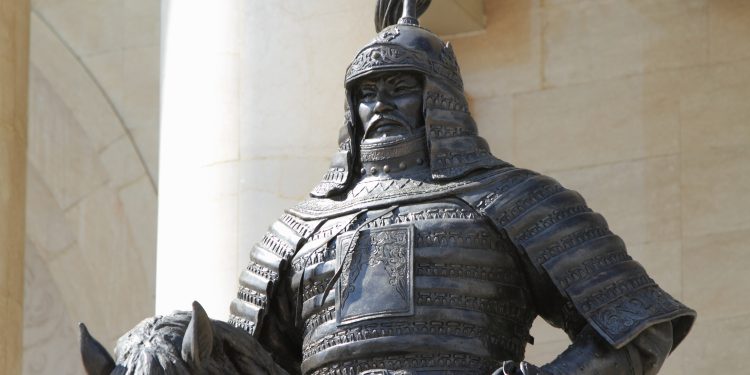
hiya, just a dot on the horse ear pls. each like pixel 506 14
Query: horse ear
pixel 96 359
pixel 199 337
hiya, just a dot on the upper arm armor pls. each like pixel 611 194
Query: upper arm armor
pixel 563 242
pixel 268 263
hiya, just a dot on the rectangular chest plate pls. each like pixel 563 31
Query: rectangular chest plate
pixel 378 275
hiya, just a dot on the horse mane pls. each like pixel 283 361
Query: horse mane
pixel 153 346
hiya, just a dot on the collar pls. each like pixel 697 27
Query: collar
pixel 394 159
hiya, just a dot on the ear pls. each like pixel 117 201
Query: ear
pixel 96 359
pixel 199 337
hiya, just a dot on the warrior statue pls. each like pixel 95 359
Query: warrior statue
pixel 420 253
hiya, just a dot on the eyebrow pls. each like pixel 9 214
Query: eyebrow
pixel 398 78
pixel 367 85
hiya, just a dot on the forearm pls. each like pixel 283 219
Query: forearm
pixel 590 354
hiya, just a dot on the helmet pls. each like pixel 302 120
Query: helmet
pixel 455 149
pixel 407 47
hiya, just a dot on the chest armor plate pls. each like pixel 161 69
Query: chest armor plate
pixel 428 288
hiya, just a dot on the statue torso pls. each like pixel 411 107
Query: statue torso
pixel 439 276
pixel 430 287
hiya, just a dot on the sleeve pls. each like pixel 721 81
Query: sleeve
pixel 590 354
pixel 579 271
pixel 264 305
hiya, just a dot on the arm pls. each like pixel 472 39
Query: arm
pixel 264 303
pixel 582 278
pixel 590 354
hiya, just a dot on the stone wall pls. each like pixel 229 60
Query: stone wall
pixel 91 192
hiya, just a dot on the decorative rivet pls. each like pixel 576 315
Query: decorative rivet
pixel 373 170
pixel 386 169
pixel 420 161
pixel 376 55
pixel 341 169
pixel 402 165
pixel 363 171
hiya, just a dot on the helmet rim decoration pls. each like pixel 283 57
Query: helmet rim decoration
pixel 407 47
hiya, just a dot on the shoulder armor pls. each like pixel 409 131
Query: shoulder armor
pixel 268 260
pixel 588 265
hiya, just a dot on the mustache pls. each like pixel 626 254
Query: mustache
pixel 378 120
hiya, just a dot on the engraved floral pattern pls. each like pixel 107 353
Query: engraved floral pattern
pixel 389 248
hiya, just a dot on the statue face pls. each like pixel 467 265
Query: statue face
pixel 389 106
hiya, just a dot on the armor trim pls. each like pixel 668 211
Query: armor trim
pixel 493 307
pixel 395 344
pixel 314 305
pixel 379 152
pixel 431 320
pixel 463 364
pixel 254 281
pixel 587 260
pixel 375 330
pixel 393 57
pixel 469 287
pixel 565 237
pixel 337 177
pixel 461 235
pixel 459 155
pixel 301 227
pixel 266 258
pixel 385 193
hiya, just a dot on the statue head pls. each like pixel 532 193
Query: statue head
pixel 405 54
pixel 389 106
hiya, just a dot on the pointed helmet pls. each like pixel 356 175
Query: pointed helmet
pixel 455 149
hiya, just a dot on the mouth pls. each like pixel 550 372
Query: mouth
pixel 385 128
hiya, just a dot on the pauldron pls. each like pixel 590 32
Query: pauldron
pixel 563 240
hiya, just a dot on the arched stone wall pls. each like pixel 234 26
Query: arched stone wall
pixel 91 195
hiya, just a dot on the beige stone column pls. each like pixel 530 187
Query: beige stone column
pixel 14 52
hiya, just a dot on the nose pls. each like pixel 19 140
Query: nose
pixel 383 104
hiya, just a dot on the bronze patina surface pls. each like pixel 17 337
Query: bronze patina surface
pixel 420 252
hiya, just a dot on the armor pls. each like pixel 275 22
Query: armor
pixel 425 254
pixel 471 265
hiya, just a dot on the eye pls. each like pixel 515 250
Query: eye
pixel 403 88
pixel 367 94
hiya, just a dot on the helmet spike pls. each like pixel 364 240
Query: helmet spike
pixel 409 16
pixel 404 12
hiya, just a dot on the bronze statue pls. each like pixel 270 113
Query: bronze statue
pixel 421 253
